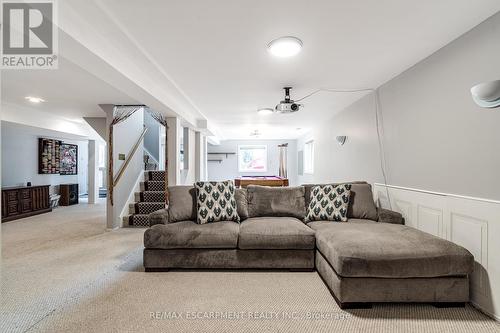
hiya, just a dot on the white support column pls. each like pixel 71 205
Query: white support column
pixel 185 144
pixel 93 170
pixel 0 178
pixel 205 158
pixel 174 145
pixel 200 156
pixel 108 109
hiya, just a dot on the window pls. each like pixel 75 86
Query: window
pixel 252 158
pixel 309 157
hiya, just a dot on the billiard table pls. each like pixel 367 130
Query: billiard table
pixel 244 181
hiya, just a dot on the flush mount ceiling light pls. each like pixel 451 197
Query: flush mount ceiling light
pixel 284 47
pixel 487 95
pixel 34 99
pixel 265 111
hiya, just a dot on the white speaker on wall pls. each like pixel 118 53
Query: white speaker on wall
pixel 487 94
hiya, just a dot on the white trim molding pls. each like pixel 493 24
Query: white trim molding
pixel 439 193
pixel 471 222
pixel 131 199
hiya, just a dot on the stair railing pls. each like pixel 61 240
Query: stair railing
pixel 127 161
pixel 156 163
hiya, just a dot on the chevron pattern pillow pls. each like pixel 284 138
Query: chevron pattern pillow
pixel 328 203
pixel 216 202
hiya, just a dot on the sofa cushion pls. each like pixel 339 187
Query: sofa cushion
pixel 215 202
pixel 191 235
pixel 265 201
pixel 361 203
pixel 389 216
pixel 182 203
pixel 275 233
pixel 158 217
pixel 329 202
pixel 240 195
pixel 389 251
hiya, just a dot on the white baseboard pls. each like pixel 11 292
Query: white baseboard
pixel 489 314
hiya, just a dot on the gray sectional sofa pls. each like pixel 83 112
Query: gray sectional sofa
pixel 373 257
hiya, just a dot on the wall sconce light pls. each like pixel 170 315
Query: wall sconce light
pixel 341 139
pixel 487 94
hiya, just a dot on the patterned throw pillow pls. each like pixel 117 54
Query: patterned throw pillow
pixel 329 202
pixel 215 202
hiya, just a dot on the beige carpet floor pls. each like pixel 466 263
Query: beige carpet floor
pixel 63 272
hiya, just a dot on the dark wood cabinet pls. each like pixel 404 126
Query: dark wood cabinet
pixel 19 202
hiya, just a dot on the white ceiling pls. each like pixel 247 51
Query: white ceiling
pixel 215 51
pixel 69 92
pixel 37 131
pixel 212 53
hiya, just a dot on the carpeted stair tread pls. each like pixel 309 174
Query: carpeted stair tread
pixel 152 196
pixel 148 207
pixel 138 220
pixel 153 185
pixel 155 176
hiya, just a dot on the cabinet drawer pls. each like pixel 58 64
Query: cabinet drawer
pixel 26 206
pixel 12 195
pixel 12 209
pixel 25 194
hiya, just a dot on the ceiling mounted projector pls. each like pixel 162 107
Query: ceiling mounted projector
pixel 487 95
pixel 287 105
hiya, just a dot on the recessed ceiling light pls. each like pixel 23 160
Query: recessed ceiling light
pixel 34 99
pixel 265 111
pixel 283 47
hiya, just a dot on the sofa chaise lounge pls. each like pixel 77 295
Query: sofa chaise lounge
pixel 373 257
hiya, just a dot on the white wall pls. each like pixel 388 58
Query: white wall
pixel 152 138
pixel 435 137
pixel 20 157
pixel 125 135
pixel 228 168
pixel 358 158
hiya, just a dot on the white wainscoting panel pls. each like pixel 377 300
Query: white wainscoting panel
pixel 473 223
pixel 430 220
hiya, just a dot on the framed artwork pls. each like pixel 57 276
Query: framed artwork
pixel 69 159
pixel 252 158
pixel 49 151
